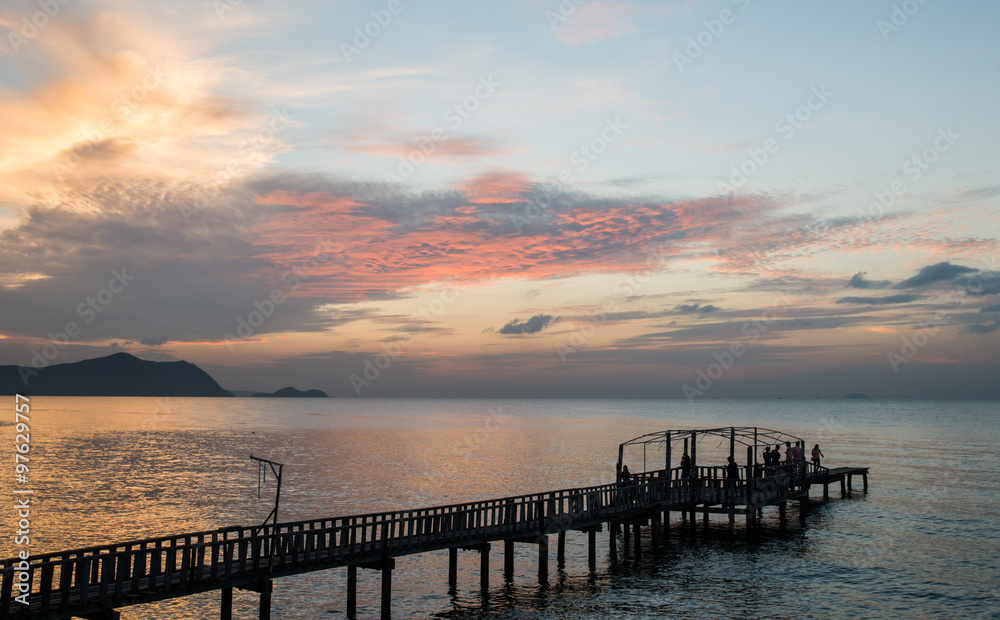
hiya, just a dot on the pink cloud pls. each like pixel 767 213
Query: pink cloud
pixel 386 247
pixel 597 21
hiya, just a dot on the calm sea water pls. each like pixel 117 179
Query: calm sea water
pixel 923 543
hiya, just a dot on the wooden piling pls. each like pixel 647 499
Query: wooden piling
pixel 543 559
pixel 352 591
pixel 635 533
pixel 387 590
pixel 508 560
pixel 226 607
pixel 453 567
pixel 561 550
pixel 592 549
pixel 484 567
pixel 265 599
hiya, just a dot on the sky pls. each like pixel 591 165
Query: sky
pixel 531 198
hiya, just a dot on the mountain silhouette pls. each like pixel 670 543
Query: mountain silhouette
pixel 120 374
pixel 290 392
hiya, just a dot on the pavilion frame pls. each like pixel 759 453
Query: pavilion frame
pixel 751 436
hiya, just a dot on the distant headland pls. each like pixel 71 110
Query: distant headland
pixel 120 374
pixel 290 392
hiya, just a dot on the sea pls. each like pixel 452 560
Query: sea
pixel 923 542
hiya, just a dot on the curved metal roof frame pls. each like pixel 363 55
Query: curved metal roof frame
pixel 744 435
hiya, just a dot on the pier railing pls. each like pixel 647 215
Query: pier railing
pixel 80 581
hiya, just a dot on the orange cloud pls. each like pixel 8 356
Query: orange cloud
pixel 117 99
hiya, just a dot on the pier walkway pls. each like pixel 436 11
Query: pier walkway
pixel 92 582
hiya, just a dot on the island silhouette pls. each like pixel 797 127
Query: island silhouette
pixel 120 374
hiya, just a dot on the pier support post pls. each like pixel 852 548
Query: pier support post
pixel 592 550
pixel 265 599
pixel 508 560
pixel 843 488
pixel 613 540
pixel 782 513
pixel 561 550
pixel 352 591
pixel 666 524
pixel 864 479
pixel 635 533
pixel 803 508
pixel 484 567
pixel 826 490
pixel 704 516
pixel 226 607
pixel 453 567
pixel 543 559
pixel 386 591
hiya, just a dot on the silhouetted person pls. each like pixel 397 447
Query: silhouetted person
pixel 816 454
pixel 626 475
pixel 685 467
pixel 788 452
pixel 732 473
pixel 766 455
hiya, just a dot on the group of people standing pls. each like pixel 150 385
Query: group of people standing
pixel 793 454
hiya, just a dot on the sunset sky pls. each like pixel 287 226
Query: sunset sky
pixel 697 199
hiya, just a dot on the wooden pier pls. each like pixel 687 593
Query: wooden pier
pixel 92 582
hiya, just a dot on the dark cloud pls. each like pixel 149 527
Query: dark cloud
pixel 983 328
pixel 695 308
pixel 985 283
pixel 153 342
pixel 532 326
pixel 858 281
pixel 880 301
pixel 935 273
pixel 993 308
